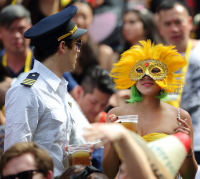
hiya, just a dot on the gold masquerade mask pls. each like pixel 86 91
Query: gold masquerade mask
pixel 155 69
pixel 157 61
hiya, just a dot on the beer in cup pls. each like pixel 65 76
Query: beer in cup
pixel 129 121
pixel 78 154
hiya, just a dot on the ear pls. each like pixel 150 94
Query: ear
pixel 62 47
pixel 79 92
pixel 190 19
pixel 159 29
pixel 49 175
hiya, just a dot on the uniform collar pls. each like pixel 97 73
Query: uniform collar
pixel 53 80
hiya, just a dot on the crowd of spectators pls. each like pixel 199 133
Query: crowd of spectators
pixel 114 26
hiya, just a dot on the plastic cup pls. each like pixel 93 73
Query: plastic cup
pixel 79 154
pixel 129 121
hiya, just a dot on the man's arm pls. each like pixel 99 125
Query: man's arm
pixel 111 160
pixel 22 115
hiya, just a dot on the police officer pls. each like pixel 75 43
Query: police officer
pixel 37 108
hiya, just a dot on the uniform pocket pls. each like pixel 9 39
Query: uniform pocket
pixel 57 127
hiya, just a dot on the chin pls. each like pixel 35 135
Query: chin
pixel 176 42
pixel 91 120
pixel 72 67
pixel 150 93
pixel 19 50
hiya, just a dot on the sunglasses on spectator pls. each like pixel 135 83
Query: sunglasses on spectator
pixel 22 175
pixel 78 44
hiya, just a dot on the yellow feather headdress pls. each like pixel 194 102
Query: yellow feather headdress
pixel 145 59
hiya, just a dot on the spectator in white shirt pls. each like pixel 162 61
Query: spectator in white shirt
pixel 37 107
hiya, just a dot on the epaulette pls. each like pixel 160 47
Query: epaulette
pixel 30 79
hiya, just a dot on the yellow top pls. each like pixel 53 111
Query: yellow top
pixel 154 136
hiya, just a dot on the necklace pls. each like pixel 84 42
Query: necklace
pixel 28 61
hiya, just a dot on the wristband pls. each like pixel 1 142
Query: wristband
pixel 190 155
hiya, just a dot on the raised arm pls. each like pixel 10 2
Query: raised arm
pixel 189 167
pixel 131 152
pixel 111 160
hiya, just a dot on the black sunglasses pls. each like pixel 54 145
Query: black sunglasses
pixel 22 175
pixel 78 44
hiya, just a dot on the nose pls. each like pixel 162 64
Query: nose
pixel 80 22
pixel 17 34
pixel 146 77
pixel 126 27
pixel 97 108
pixel 174 28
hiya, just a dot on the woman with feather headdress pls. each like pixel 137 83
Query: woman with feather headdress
pixel 151 73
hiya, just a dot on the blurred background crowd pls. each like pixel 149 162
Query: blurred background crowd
pixel 114 26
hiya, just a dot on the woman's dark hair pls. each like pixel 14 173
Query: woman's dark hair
pixel 88 57
pixel 42 54
pixel 146 18
pixel 89 51
pixel 33 7
pixel 76 169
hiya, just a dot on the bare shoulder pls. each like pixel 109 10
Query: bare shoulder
pixel 116 111
pixel 127 109
pixel 172 109
pixel 185 115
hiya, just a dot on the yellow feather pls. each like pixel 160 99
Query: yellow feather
pixel 148 51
